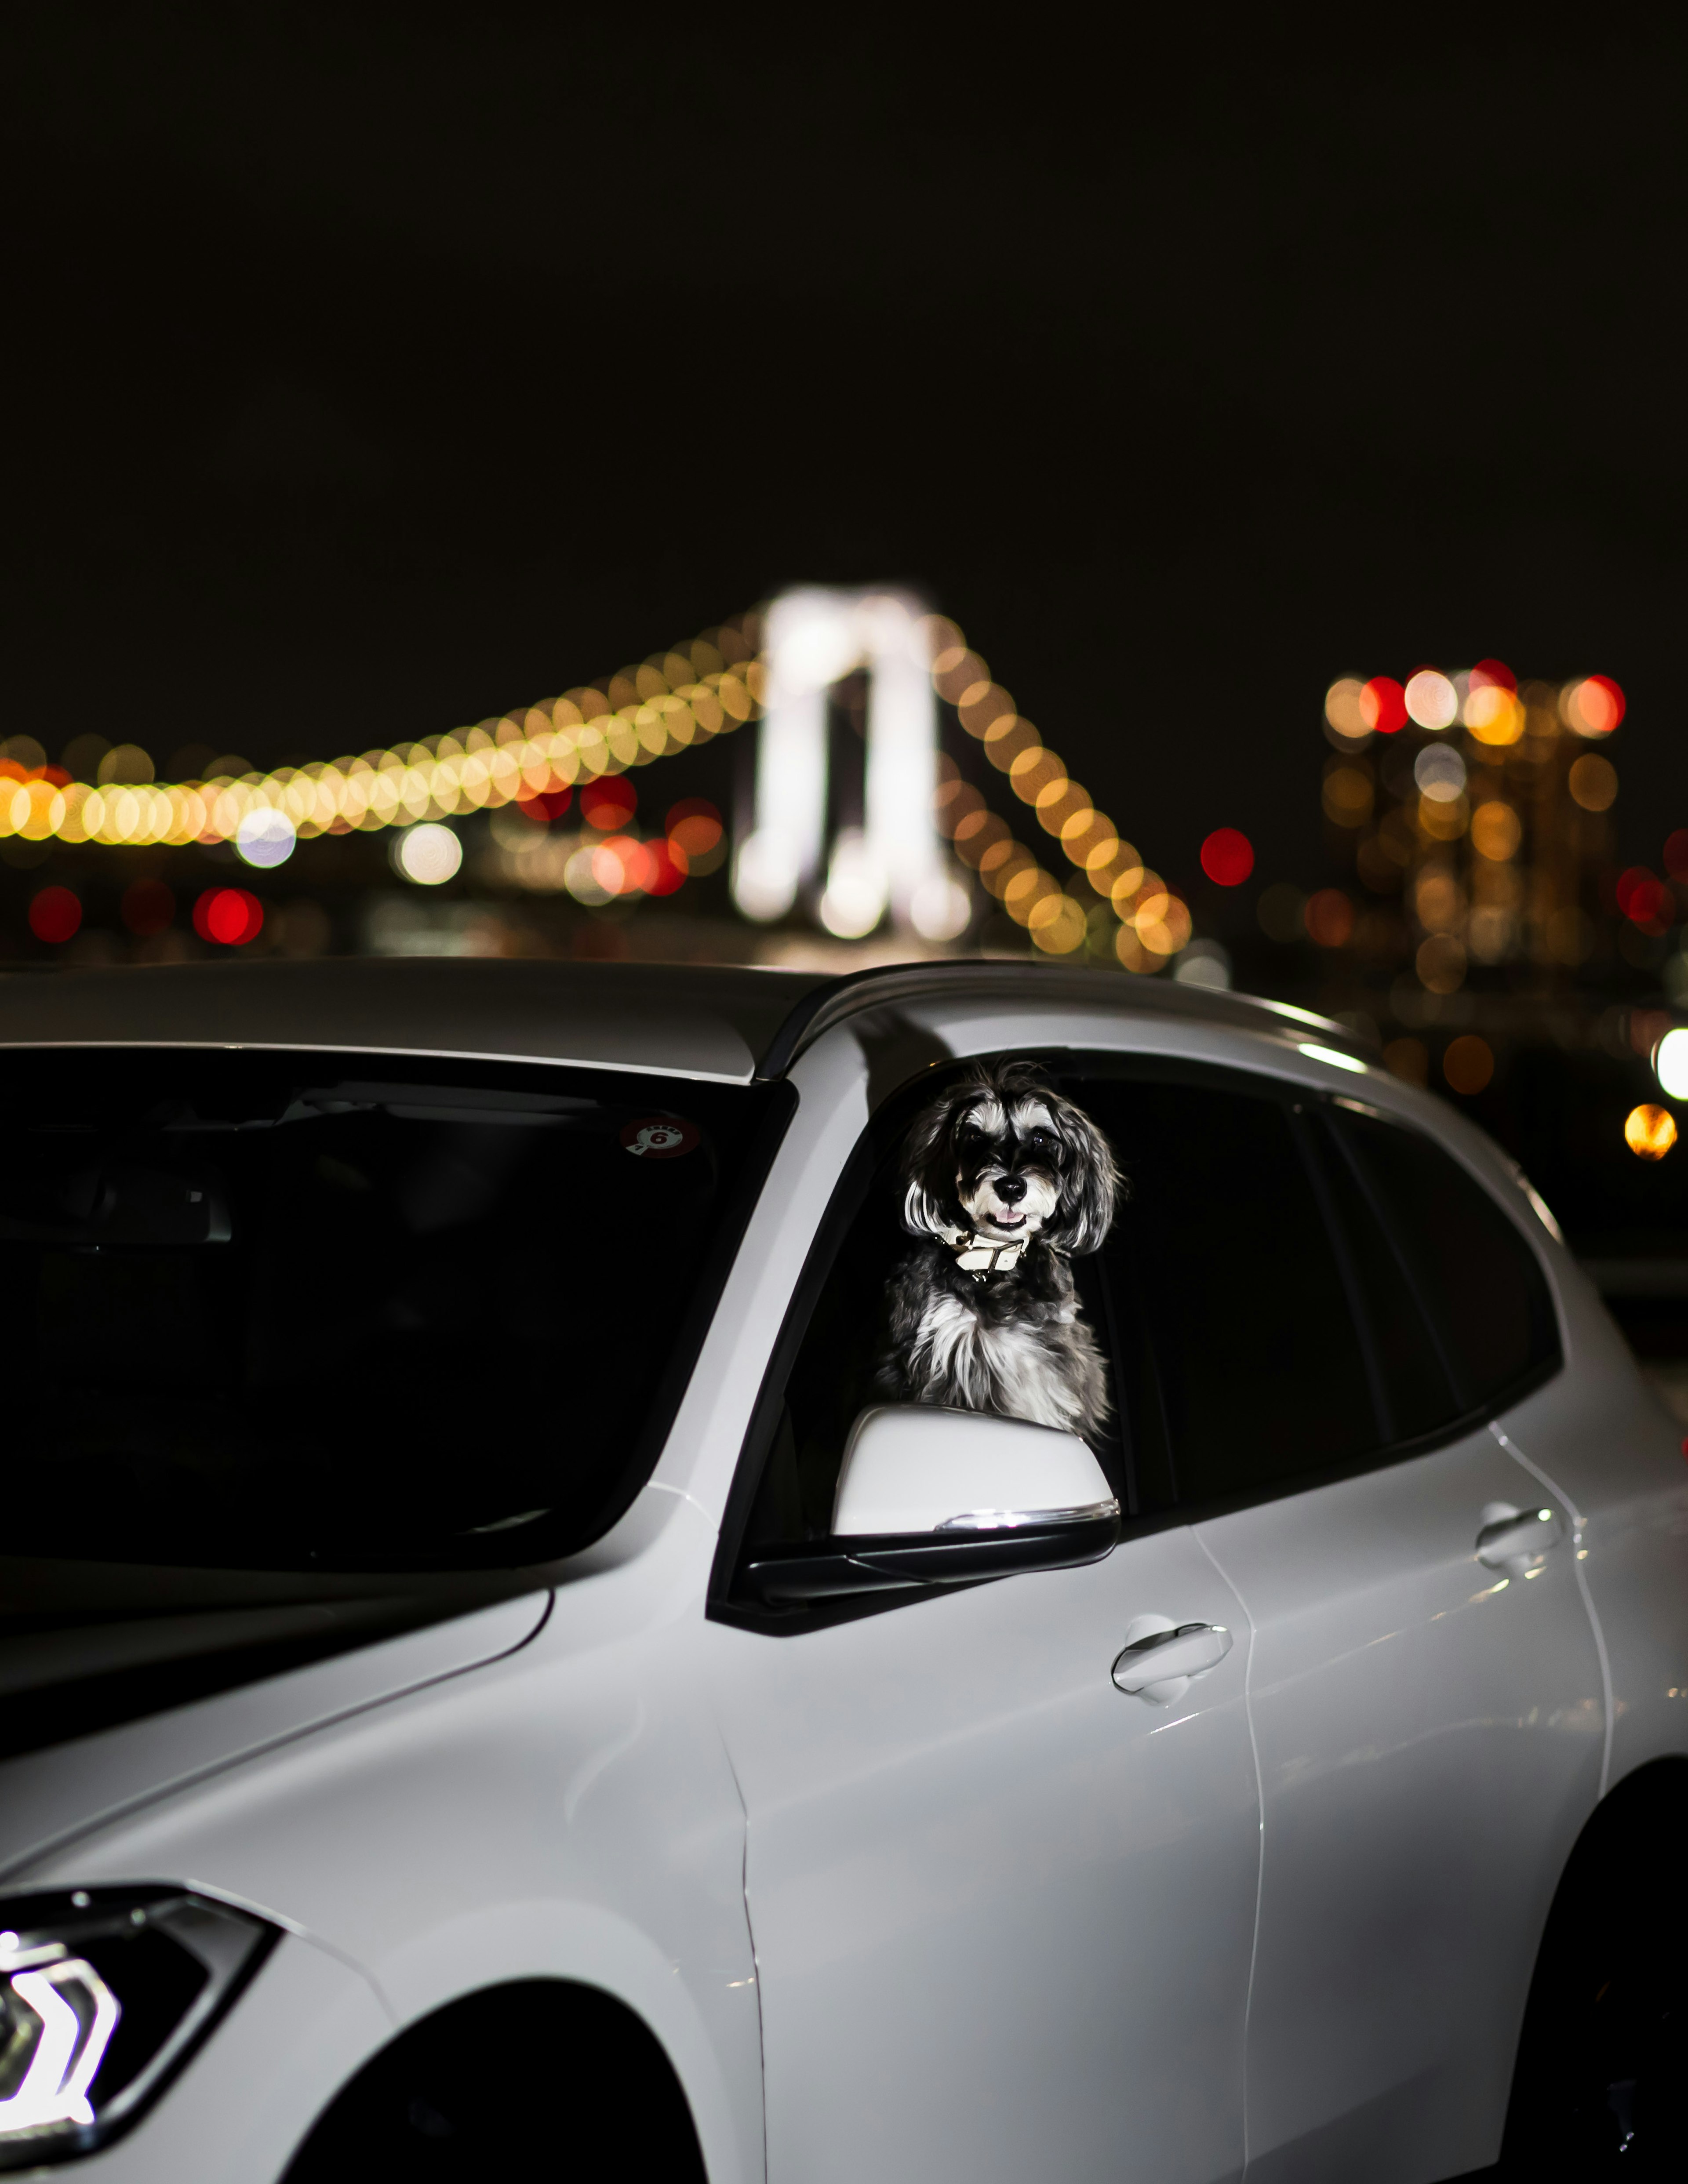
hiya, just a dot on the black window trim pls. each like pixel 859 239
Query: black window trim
pixel 1297 1098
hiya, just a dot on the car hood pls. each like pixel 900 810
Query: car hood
pixel 116 1686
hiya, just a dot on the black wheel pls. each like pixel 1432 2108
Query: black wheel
pixel 1603 2077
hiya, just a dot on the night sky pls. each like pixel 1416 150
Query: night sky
pixel 370 370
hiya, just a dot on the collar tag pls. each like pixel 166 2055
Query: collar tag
pixel 981 1259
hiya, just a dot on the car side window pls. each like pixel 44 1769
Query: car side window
pixel 1471 1269
pixel 1223 1254
pixel 833 1343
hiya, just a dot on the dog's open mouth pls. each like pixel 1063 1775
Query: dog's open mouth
pixel 1007 1220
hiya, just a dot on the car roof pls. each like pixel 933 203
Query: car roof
pixel 726 1022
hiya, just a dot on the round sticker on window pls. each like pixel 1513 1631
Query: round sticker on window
pixel 660 1137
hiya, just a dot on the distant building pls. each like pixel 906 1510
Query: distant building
pixel 1475 815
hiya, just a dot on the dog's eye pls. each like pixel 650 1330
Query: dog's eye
pixel 969 1134
pixel 1042 1141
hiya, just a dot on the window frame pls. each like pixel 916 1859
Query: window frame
pixel 1303 1102
pixel 1069 1068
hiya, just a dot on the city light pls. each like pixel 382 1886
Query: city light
pixel 1431 700
pixel 1488 820
pixel 55 914
pixel 1227 856
pixel 229 916
pixel 427 853
pixel 1670 1065
pixel 265 839
pixel 1650 1132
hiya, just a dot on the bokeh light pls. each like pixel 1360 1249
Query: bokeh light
pixel 55 914
pixel 1440 772
pixel 1431 700
pixel 1593 706
pixel 1493 713
pixel 1676 854
pixel 1643 898
pixel 1342 709
pixel 608 804
pixel 1670 1065
pixel 940 908
pixel 1383 706
pixel 1329 918
pixel 427 854
pixel 1496 832
pixel 1649 1131
pixel 1227 856
pixel 542 806
pixel 265 839
pixel 1468 1063
pixel 1593 783
pixel 1441 964
pixel 228 915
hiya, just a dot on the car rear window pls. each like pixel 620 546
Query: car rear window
pixel 1471 1270
pixel 306 1311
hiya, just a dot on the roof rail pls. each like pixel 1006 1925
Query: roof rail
pixel 900 984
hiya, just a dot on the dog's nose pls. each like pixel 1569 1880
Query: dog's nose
pixel 1010 1188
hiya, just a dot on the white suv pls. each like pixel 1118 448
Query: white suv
pixel 452 1728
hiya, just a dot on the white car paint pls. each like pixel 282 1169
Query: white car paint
pixel 923 1893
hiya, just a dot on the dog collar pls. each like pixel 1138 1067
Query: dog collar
pixel 982 1260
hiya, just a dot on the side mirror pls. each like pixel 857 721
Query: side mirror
pixel 929 1496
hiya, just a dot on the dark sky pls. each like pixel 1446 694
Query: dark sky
pixel 369 370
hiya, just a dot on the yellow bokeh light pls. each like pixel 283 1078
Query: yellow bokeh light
pixel 1496 832
pixel 1649 1131
pixel 1342 708
pixel 1494 715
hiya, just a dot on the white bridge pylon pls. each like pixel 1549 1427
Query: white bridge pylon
pixel 813 637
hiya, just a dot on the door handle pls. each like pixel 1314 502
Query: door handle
pixel 1518 1539
pixel 1160 1666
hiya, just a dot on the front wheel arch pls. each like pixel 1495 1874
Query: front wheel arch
pixel 531 2074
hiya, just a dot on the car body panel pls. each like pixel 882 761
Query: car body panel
pixel 513 1792
pixel 999 1906
pixel 1431 1734
pixel 566 1811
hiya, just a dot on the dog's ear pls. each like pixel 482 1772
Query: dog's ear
pixel 1091 1183
pixel 928 1169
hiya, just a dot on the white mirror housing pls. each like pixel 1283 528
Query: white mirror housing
pixel 914 1468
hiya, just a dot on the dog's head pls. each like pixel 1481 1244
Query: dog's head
pixel 1001 1156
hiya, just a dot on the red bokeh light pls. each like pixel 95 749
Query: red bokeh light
pixel 147 907
pixel 1676 854
pixel 665 867
pixel 545 804
pixel 1383 706
pixel 54 914
pixel 1227 856
pixel 1493 675
pixel 229 916
pixel 1329 917
pixel 1644 899
pixel 607 805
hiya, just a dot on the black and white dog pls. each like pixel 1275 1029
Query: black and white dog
pixel 1004 1182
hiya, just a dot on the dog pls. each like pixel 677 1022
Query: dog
pixel 1003 1182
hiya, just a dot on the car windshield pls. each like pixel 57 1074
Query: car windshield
pixel 306 1311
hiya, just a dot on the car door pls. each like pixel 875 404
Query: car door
pixel 1002 1910
pixel 1428 1723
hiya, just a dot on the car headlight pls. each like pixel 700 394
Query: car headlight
pixel 104 1993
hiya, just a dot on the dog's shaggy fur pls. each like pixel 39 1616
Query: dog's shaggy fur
pixel 999 1160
